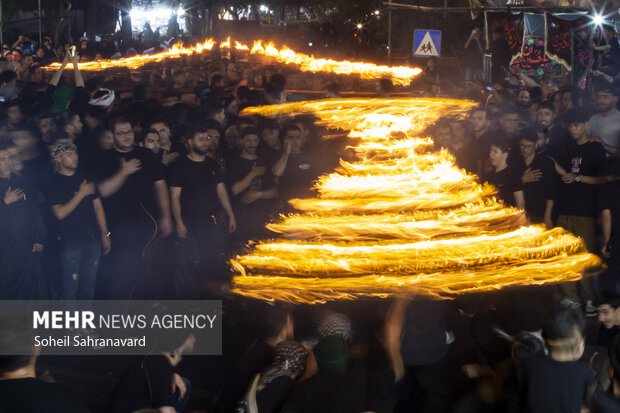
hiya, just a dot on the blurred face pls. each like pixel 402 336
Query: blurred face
pixel 151 141
pixel 219 83
pixel 76 126
pixel 478 120
pixel 5 164
pixel 304 131
pixel 47 125
pixel 16 162
pixel 106 140
pixel 527 148
pixel 607 315
pixel 577 130
pixel 23 140
pixel 457 142
pixel 443 137
pixel 457 129
pixel 510 123
pixel 37 75
pixel 271 136
pixel 523 98
pixel 26 61
pixel 68 161
pixel 180 78
pixel 605 101
pixel 206 143
pixel 295 139
pixel 220 117
pixel 567 101
pixel 545 117
pixel 123 137
pixel 14 114
pixel 497 156
pixel 250 144
pixel 164 132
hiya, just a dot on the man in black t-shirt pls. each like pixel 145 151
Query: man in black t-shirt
pixel 199 194
pixel 252 187
pixel 580 172
pixel 539 181
pixel 83 229
pixel 170 150
pixel 295 170
pixel 561 381
pixel 577 207
pixel 553 140
pixel 131 181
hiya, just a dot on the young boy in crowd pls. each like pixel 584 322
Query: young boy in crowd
pixel 559 381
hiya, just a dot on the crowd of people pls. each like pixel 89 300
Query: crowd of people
pixel 131 194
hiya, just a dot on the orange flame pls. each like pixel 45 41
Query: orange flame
pixel 240 46
pixel 135 62
pixel 400 75
pixel 403 219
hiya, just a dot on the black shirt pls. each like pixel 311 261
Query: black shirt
pixel 537 193
pixel 606 335
pixel 198 181
pixel 137 193
pixel 549 386
pixel 269 154
pixel 507 181
pixel 147 383
pixel 30 395
pixel 558 145
pixel 609 198
pixel 473 56
pixel 501 54
pixel 337 392
pixel 240 167
pixel 80 226
pixel 606 403
pixel 578 198
pixel 37 171
pixel 298 175
pixel 271 398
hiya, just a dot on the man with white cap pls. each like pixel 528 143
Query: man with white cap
pixel 82 228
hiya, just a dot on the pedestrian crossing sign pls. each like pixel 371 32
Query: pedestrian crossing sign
pixel 426 43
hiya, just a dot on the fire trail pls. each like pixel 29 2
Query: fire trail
pixel 402 219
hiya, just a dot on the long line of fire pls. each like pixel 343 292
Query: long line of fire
pixel 400 75
pixel 403 219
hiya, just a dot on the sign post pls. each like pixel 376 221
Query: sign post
pixel 426 43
